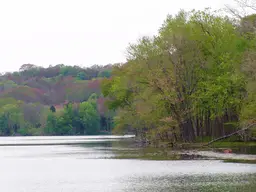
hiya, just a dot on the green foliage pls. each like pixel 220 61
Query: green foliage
pixel 11 117
pixel 52 85
pixel 89 118
pixel 184 82
pixel 117 91
pixel 81 76
pixel 6 85
pixel 18 118
pixel 68 70
pixel 105 73
pixel 93 97
pixel 194 79
pixel 83 119
pixel 51 124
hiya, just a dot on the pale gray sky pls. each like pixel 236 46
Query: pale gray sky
pixel 80 32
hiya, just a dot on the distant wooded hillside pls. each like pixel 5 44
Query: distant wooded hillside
pixel 58 100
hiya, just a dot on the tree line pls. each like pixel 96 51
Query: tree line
pixel 58 100
pixel 78 119
pixel 26 119
pixel 54 84
pixel 195 79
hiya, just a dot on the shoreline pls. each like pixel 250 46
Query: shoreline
pixel 193 151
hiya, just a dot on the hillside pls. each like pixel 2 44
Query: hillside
pixel 38 101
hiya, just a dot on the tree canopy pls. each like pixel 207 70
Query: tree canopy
pixel 186 82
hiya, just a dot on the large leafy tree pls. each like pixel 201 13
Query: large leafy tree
pixel 11 117
pixel 184 81
pixel 248 28
pixel 89 117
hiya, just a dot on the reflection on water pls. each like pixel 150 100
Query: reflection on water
pixel 87 167
pixel 59 140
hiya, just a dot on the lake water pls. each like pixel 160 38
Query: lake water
pixel 81 164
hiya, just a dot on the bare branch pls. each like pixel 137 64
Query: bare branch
pixel 251 4
pixel 233 11
pixel 245 6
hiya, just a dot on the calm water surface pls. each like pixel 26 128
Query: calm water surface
pixel 88 164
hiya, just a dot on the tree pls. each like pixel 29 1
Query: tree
pixel 251 4
pixel 11 117
pixel 53 109
pixel 184 82
pixel 51 127
pixel 89 118
pixel 81 75
pixel 105 73
pixel 248 112
pixel 28 66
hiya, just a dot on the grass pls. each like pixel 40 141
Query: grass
pixel 232 142
pixel 240 161
pixel 227 144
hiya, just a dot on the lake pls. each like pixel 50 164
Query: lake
pixel 81 164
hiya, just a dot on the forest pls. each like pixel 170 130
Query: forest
pixel 195 79
pixel 57 100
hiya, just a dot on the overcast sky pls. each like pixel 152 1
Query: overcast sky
pixel 80 32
